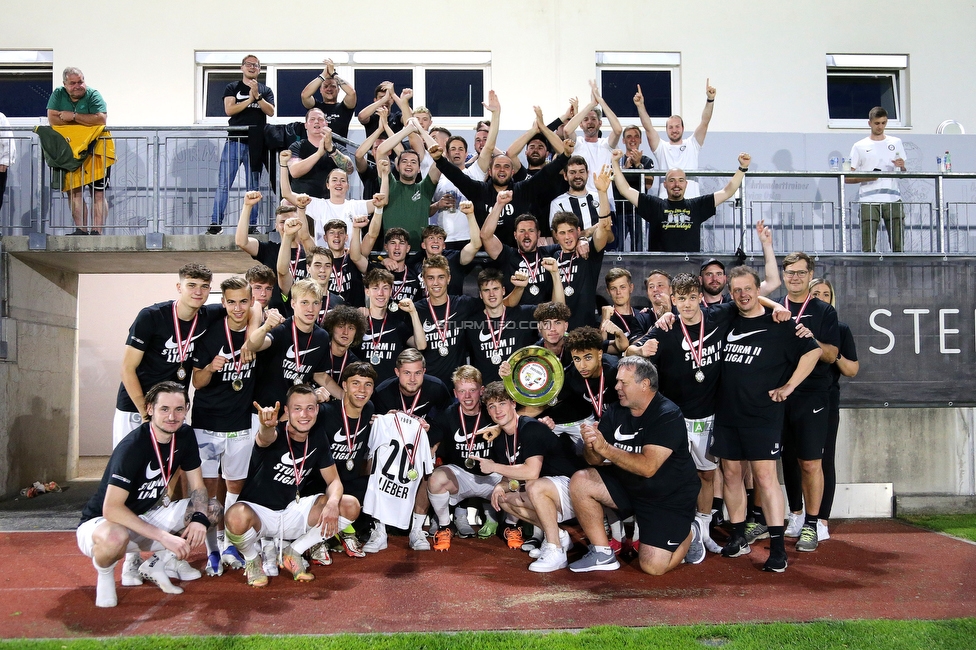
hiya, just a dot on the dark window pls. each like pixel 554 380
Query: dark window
pixel 216 82
pixel 288 96
pixel 368 79
pixel 852 96
pixel 618 88
pixel 455 93
pixel 25 93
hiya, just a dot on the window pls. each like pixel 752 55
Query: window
pixel 856 83
pixel 655 72
pixel 451 84
pixel 26 82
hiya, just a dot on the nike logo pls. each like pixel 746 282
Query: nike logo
pixel 670 543
pixel 624 436
pixel 819 409
pixel 290 354
pixel 733 337
pixel 484 336
pixel 340 436
pixel 242 96
pixel 459 436
pixel 171 344
pixel 286 458
pixel 152 474
pixel 227 355
pixel 684 341
pixel 370 337
pixel 429 327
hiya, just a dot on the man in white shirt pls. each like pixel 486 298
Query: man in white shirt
pixel 880 198
pixel 594 149
pixel 677 152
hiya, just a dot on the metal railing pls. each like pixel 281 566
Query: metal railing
pixel 164 180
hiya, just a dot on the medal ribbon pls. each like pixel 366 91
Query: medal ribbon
pixel 623 322
pixel 166 473
pixel 567 278
pixel 597 404
pixel 345 357
pixel 298 469
pixel 373 340
pixel 335 282
pixel 183 347
pixel 442 334
pixel 469 438
pixel 533 269
pixel 695 354
pixel 496 343
pixel 416 398
pixel 396 293
pixel 416 441
pixel 294 338
pixel 508 453
pixel 234 354
pixel 293 265
pixel 325 309
pixel 350 438
pixel 786 303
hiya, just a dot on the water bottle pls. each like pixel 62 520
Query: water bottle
pixel 947 162
pixel 939 164
pixel 834 163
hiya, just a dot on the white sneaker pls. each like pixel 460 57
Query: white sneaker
pixel 565 541
pixel 794 524
pixel 822 532
pixel 130 570
pixel 180 570
pixel 269 553
pixel 553 558
pixel 419 541
pixel 154 571
pixel 377 539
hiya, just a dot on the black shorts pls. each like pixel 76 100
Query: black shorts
pixel 746 443
pixel 102 183
pixel 806 424
pixel 664 523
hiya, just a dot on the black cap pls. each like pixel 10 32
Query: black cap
pixel 709 262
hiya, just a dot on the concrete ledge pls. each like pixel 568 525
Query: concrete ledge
pixel 935 504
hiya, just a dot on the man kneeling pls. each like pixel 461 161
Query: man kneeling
pixel 282 462
pixel 642 467
pixel 132 510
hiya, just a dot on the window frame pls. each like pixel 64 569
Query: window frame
pixel 13 62
pixel 894 66
pixel 619 61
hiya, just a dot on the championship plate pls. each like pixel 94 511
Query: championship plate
pixel 537 376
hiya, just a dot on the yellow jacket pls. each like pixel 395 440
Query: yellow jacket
pixel 80 138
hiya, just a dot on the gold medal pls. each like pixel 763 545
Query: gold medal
pixel 513 485
pixel 413 474
pixel 237 385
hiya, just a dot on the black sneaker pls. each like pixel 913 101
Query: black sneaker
pixel 737 546
pixel 776 563
pixel 253 230
pixel 214 229
pixel 78 231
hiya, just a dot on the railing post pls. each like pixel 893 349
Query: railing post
pixel 742 211
pixel 940 215
pixel 842 200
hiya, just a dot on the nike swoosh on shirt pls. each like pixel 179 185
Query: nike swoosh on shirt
pixel 242 97
pixel 684 341
pixel 151 474
pixel 286 458
pixel 733 337
pixel 484 336
pixel 290 354
pixel 370 337
pixel 171 344
pixel 624 436
pixel 340 436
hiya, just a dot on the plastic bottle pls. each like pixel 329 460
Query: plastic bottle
pixel 947 162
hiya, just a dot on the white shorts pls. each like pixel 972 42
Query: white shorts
pixel 572 429
pixel 288 524
pixel 471 485
pixel 169 519
pixel 699 440
pixel 566 511
pixel 225 454
pixel 122 424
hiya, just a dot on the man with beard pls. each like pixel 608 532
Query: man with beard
pixel 314 157
pixel 578 200
pixel 523 258
pixel 337 114
pixel 714 282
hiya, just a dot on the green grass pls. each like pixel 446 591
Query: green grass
pixel 963 526
pixel 866 635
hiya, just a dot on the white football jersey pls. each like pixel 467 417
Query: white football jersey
pixel 397 444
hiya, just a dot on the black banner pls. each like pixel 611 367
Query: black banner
pixel 913 320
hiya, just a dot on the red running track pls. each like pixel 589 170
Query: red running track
pixel 868 569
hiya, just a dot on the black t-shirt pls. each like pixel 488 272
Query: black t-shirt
pixel 268 255
pixel 217 406
pixel 406 283
pixel 576 402
pixel 533 438
pixel 432 398
pixel 313 181
pixel 458 271
pixel 370 179
pixel 444 331
pixel 329 302
pixel 394 119
pixel 252 115
pixel 271 475
pixel 660 424
pixel 347 281
pixel 758 355
pixel 343 447
pixel 455 444
pixel 676 225
pixel 135 468
pixel 386 337
pixel 677 367
pixel 152 333
pixel 847 350
pixel 582 275
pixel 633 325
pixel 277 366
pixel 493 340
pixel 338 116
pixel 336 364
pixel 821 319
pixel 511 260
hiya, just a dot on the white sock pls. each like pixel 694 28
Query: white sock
pixel 230 500
pixel 344 523
pixel 417 523
pixel 312 537
pixel 244 543
pixel 441 503
pixel 105 585
pixel 510 520
pixel 213 545
pixel 603 549
pixel 636 537
pixel 616 525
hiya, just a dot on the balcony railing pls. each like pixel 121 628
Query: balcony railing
pixel 164 182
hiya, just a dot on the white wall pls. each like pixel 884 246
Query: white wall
pixel 767 58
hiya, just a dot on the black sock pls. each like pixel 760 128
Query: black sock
pixel 811 520
pixel 750 499
pixel 717 504
pixel 757 515
pixel 739 529
pixel 776 542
